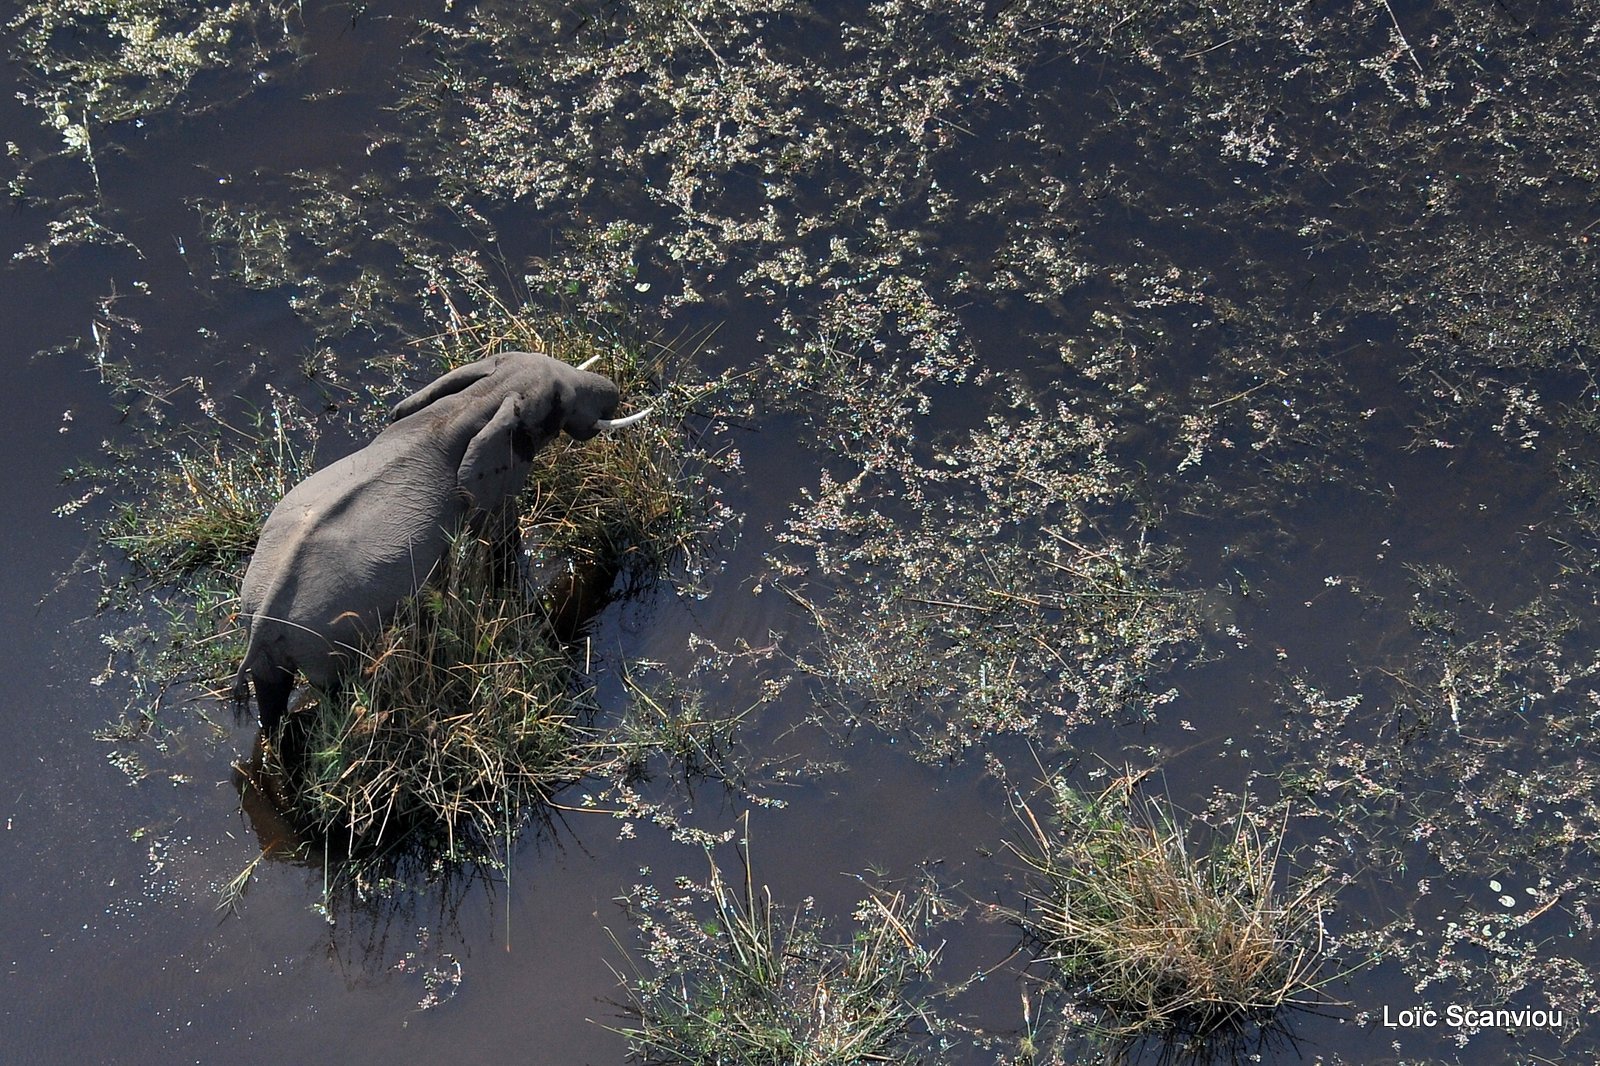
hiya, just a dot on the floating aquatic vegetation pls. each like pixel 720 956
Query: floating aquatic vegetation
pixel 976 595
pixel 94 66
pixel 102 63
pixel 722 163
pixel 1462 759
pixel 349 260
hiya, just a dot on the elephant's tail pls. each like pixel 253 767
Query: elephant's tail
pixel 241 683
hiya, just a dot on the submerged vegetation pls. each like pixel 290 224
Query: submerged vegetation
pixel 997 604
pixel 1170 938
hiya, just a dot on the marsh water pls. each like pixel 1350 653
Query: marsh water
pixel 1274 324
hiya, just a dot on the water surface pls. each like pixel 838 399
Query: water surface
pixel 1288 312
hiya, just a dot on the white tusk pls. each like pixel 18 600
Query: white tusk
pixel 587 363
pixel 605 424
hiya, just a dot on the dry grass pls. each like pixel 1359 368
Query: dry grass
pixel 1164 937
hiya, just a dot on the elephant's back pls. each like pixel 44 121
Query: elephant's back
pixel 355 536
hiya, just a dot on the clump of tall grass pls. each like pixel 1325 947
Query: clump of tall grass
pixel 1165 937
pixel 465 711
pixel 734 981
pixel 205 509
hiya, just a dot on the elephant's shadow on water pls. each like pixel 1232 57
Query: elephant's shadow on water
pixel 374 933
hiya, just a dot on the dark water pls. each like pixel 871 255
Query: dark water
pixel 1358 311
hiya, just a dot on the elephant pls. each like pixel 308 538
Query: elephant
pixel 344 547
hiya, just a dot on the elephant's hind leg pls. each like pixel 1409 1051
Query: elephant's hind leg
pixel 241 693
pixel 273 687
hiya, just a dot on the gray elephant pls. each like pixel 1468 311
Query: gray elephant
pixel 346 545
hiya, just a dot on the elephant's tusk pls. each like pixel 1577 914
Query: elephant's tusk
pixel 606 424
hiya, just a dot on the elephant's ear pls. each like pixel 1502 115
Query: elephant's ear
pixel 496 460
pixel 447 385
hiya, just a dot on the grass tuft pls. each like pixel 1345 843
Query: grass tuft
pixel 206 509
pixel 1166 938
pixel 733 981
pixel 465 712
pixel 676 724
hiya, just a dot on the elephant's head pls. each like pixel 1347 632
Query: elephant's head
pixel 607 423
pixel 583 402
pixel 551 396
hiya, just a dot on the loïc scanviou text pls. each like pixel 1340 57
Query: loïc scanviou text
pixel 1456 1016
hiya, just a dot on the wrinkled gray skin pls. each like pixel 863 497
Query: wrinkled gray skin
pixel 346 545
